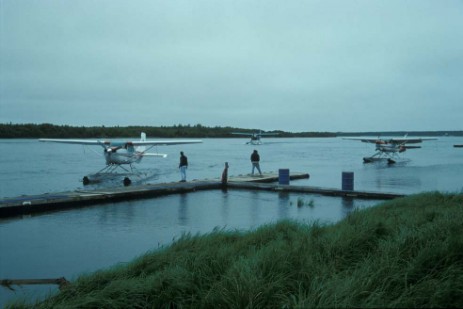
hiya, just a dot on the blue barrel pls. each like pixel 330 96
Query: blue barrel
pixel 283 176
pixel 348 181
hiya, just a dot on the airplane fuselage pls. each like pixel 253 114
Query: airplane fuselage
pixel 122 158
pixel 125 154
pixel 390 148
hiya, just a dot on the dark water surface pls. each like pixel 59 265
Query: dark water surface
pixel 73 242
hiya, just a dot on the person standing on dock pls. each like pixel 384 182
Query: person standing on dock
pixel 183 166
pixel 225 175
pixel 255 159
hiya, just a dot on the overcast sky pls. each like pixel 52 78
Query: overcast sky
pixel 327 65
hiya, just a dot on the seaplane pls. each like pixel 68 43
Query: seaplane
pixel 389 149
pixel 119 154
pixel 255 137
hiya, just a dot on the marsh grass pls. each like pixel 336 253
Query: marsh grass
pixel 404 253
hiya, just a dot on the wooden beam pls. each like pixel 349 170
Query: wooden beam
pixel 62 282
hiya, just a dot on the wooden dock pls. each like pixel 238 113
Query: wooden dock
pixel 313 190
pixel 265 178
pixel 29 204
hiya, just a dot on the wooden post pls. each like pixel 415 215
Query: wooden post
pixel 62 282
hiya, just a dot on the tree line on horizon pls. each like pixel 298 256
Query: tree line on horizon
pixel 47 130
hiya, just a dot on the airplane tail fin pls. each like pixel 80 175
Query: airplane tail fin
pixel 143 148
pixel 142 139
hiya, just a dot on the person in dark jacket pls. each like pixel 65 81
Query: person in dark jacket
pixel 255 159
pixel 225 175
pixel 183 166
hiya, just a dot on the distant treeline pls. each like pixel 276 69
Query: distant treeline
pixel 176 131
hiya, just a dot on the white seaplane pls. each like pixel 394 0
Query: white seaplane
pixel 255 137
pixel 118 154
pixel 389 149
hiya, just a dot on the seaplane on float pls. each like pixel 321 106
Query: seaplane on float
pixel 389 149
pixel 255 137
pixel 117 154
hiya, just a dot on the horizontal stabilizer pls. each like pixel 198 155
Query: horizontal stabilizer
pixel 152 154
pixel 412 147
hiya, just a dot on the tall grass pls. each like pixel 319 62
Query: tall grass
pixel 404 253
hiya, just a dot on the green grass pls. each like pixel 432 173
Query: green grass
pixel 406 252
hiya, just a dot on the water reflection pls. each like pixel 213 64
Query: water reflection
pixel 225 207
pixel 283 205
pixel 110 215
pixel 347 206
pixel 254 212
pixel 387 179
pixel 183 210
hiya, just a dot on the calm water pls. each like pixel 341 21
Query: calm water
pixel 73 242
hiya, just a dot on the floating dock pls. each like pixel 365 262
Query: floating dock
pixel 29 204
pixel 313 190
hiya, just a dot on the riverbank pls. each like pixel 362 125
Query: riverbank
pixel 404 253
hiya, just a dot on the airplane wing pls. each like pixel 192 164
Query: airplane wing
pixel 251 134
pixel 409 140
pixel 166 142
pixel 74 141
pixel 363 140
pixel 399 140
pixel 150 154
pixel 135 143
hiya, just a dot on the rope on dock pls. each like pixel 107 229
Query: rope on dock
pixel 7 283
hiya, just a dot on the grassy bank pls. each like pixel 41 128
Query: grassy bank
pixel 404 253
